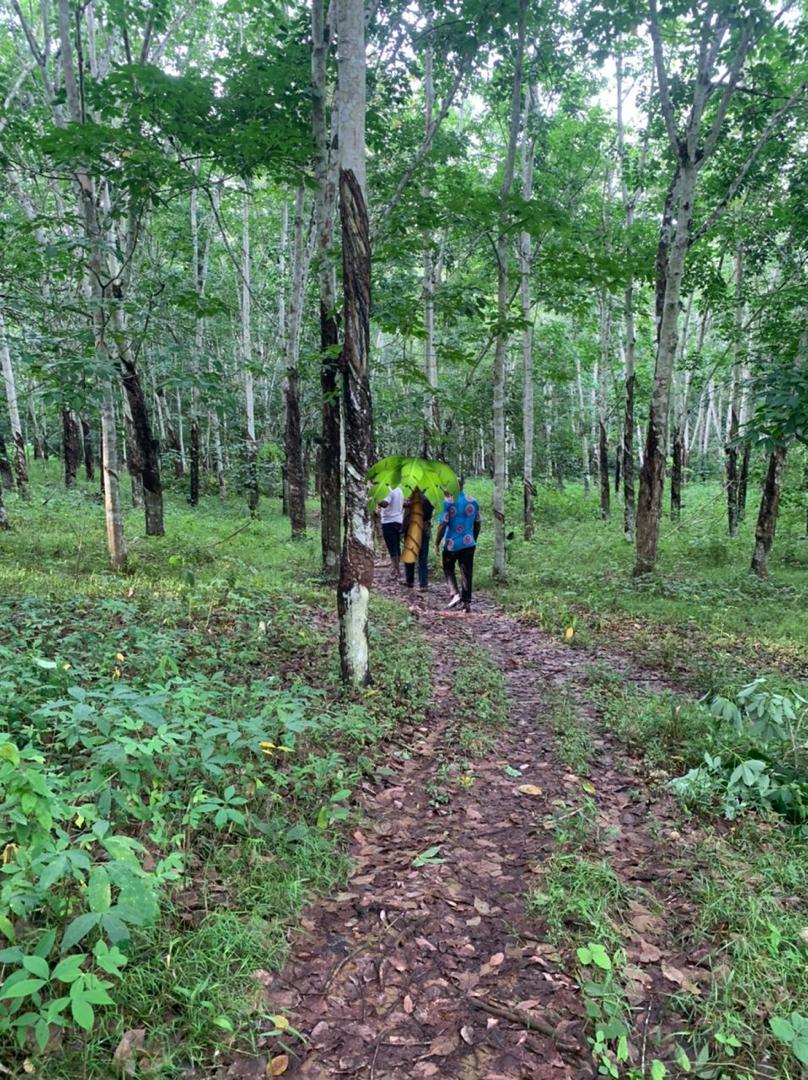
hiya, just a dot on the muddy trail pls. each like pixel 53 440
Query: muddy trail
pixel 430 963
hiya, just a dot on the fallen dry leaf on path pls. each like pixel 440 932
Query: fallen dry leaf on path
pixel 278 1065
pixel 132 1044
pixel 529 789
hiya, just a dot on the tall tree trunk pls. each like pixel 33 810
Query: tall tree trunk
pixel 652 475
pixel 525 258
pixel 431 411
pixel 356 564
pixel 251 443
pixel 603 405
pixel 113 517
pixel 734 406
pixel 325 204
pixel 20 464
pixel 743 480
pixel 582 426
pixel 89 464
pixel 293 439
pixel 70 447
pixel 767 514
pixel 194 487
pixel 501 350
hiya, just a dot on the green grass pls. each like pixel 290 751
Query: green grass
pixel 702 616
pixel 573 734
pixel 225 622
pixel 579 899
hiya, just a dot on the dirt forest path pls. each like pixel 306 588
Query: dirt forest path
pixel 438 970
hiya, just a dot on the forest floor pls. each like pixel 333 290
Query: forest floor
pixel 465 872
pixel 500 900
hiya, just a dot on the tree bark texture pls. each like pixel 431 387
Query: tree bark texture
pixel 501 349
pixel 71 449
pixel 293 438
pixel 525 259
pixel 113 516
pixel 603 406
pixel 87 436
pixel 324 209
pixel 767 514
pixel 356 565
pixel 6 475
pixel 194 478
pixel 20 463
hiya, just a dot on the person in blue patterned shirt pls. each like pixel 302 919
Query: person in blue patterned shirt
pixel 458 529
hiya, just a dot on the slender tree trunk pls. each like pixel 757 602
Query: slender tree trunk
pixel 603 405
pixel 548 429
pixel 582 427
pixel 767 514
pixel 70 447
pixel 501 351
pixel 431 411
pixel 20 464
pixel 293 439
pixel 525 258
pixel 6 475
pixel 194 488
pixel 356 564
pixel 4 522
pixel 734 406
pixel 113 516
pixel 251 443
pixel 652 475
pixel 87 436
pixel 325 204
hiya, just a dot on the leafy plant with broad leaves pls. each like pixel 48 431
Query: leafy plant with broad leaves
pixel 432 478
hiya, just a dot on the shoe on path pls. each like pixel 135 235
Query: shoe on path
pixel 454 601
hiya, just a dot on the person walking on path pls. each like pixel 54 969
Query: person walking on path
pixel 392 515
pixel 423 553
pixel 460 525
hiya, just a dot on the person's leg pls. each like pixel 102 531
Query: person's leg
pixel 391 530
pixel 409 574
pixel 466 560
pixel 423 561
pixel 449 562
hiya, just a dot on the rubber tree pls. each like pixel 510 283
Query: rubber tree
pixel 503 244
pixel 325 161
pixel 20 464
pixel 723 39
pixel 356 562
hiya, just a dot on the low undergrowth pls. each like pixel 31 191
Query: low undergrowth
pixel 176 765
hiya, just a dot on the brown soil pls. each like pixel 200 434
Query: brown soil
pixel 439 970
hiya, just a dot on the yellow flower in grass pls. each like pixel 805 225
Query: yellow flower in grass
pixel 119 656
pixel 269 747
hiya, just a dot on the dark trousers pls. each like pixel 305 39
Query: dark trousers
pixel 391 531
pixel 465 559
pixel 423 563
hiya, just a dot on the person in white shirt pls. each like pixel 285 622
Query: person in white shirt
pixel 392 514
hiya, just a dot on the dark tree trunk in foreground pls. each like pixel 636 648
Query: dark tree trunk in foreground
pixel 295 472
pixel 194 492
pixel 356 564
pixel 4 522
pixel 330 485
pixel 71 447
pixel 6 475
pixel 677 471
pixel 325 205
pixel 89 465
pixel 767 515
pixel 603 467
pixel 743 480
pixel 144 448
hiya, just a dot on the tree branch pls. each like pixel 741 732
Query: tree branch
pixel 734 187
pixel 662 77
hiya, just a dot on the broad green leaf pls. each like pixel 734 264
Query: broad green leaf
pixel 82 1012
pixel 37 966
pixel 782 1029
pixel 21 989
pixel 99 891
pixel 68 969
pixel 78 929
